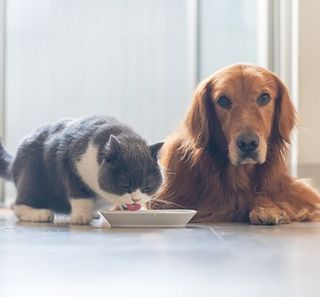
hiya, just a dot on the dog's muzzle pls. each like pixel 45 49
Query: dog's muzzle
pixel 247 145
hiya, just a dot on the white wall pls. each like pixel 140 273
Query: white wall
pixel 132 59
pixel 128 59
pixel 136 60
pixel 228 34
pixel 309 83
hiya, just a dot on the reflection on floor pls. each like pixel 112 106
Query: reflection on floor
pixel 201 260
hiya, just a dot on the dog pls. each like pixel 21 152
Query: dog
pixel 228 159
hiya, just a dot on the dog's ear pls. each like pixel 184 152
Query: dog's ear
pixel 197 120
pixel 285 115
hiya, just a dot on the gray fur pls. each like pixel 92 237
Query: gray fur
pixel 44 171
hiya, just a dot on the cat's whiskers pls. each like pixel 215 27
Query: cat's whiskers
pixel 159 205
pixel 170 203
pixel 167 196
pixel 160 202
pixel 167 170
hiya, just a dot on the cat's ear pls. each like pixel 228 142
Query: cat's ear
pixel 112 149
pixel 155 148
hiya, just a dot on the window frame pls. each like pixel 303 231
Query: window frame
pixel 2 84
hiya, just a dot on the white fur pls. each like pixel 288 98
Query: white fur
pixel 88 169
pixel 136 196
pixel 81 211
pixel 30 214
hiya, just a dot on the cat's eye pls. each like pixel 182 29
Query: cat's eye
pixel 109 158
pixel 224 102
pixel 263 99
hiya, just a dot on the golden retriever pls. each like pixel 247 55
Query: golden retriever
pixel 228 159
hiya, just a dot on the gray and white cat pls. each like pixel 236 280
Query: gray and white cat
pixel 68 166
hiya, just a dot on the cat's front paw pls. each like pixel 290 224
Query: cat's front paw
pixel 80 218
pixel 30 214
pixel 268 216
pixel 81 211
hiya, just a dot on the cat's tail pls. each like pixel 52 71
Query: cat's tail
pixel 5 163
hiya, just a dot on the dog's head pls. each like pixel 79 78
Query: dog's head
pixel 242 109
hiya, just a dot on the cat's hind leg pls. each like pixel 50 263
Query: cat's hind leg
pixel 30 214
pixel 33 194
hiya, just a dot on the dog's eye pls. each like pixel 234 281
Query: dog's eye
pixel 263 99
pixel 224 102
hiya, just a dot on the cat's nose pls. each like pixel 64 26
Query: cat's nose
pixel 135 199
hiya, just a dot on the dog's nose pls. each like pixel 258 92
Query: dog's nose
pixel 247 142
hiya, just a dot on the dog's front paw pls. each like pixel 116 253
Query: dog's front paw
pixel 268 216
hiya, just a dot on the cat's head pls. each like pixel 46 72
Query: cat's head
pixel 129 170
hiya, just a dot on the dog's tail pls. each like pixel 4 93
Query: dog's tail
pixel 5 163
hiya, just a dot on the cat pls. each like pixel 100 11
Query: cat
pixel 68 166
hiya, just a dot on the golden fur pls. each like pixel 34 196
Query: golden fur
pixel 201 161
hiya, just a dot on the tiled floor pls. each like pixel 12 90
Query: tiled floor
pixel 201 260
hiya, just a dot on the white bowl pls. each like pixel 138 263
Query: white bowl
pixel 164 218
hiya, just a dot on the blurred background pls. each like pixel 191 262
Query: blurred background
pixel 140 60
